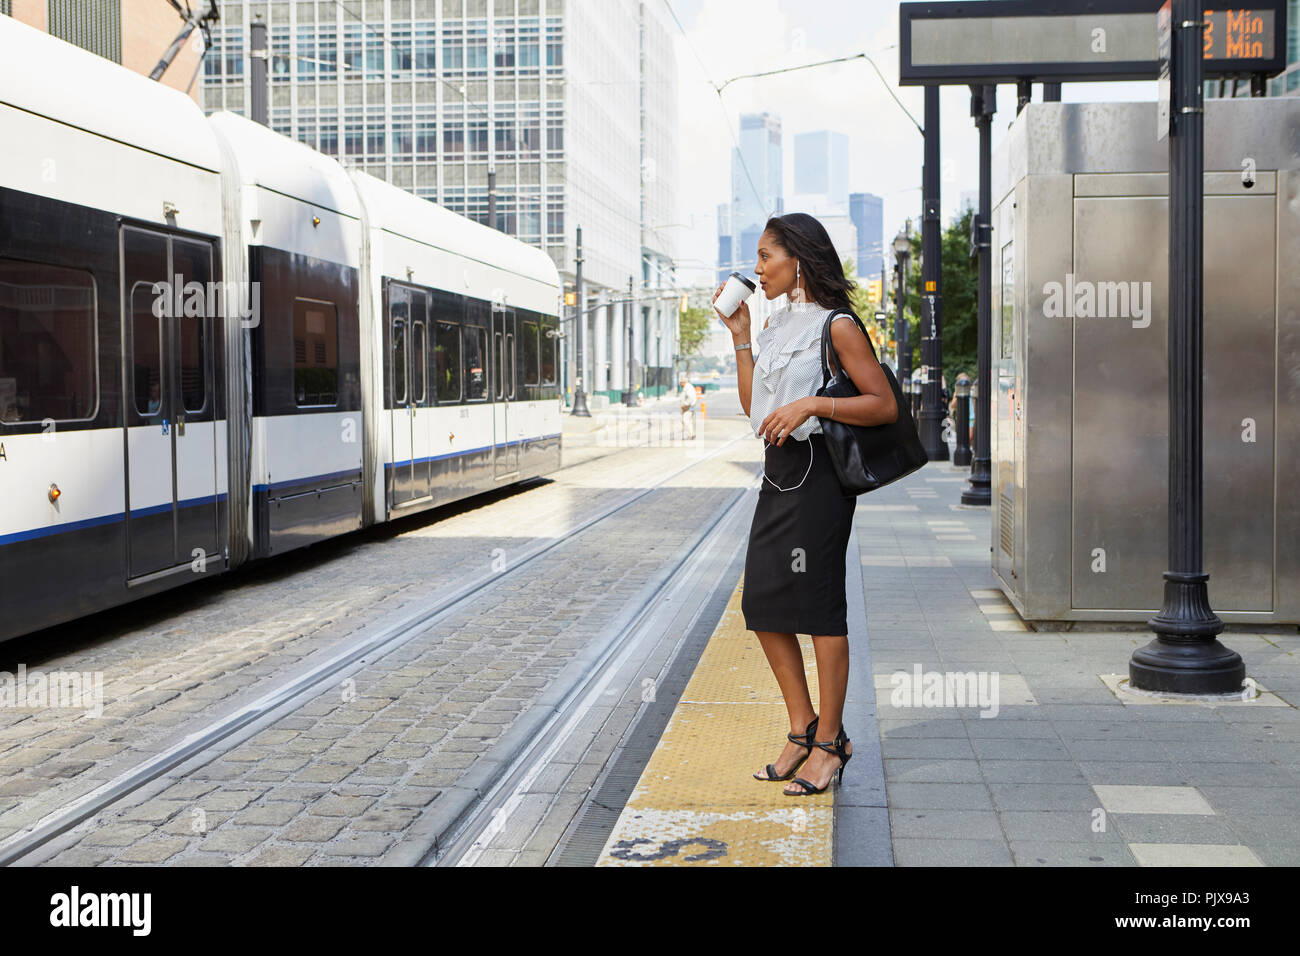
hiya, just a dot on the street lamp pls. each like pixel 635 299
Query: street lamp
pixel 902 250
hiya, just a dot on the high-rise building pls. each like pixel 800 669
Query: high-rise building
pixel 868 215
pixel 821 166
pixel 659 180
pixel 571 103
pixel 725 254
pixel 1288 83
pixel 756 185
pixel 134 33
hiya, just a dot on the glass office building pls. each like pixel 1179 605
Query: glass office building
pixel 573 104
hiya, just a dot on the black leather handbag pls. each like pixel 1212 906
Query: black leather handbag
pixel 867 457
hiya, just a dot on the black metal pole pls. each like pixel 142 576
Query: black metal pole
pixel 978 490
pixel 579 331
pixel 904 336
pixel 1024 92
pixel 931 423
pixel 900 326
pixel 1051 92
pixel 1185 657
pixel 257 55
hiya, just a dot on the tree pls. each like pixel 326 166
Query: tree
pixel 960 285
pixel 960 298
pixel 692 329
pixel 862 306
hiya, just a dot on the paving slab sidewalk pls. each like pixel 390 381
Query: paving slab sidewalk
pixel 1068 769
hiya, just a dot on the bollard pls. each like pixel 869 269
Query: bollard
pixel 961 421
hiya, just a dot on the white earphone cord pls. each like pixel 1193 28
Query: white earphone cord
pixel 766 444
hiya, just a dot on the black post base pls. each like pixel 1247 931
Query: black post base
pixel 1185 657
pixel 936 449
pixel 979 486
pixel 580 403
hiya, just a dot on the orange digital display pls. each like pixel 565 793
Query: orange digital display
pixel 1239 34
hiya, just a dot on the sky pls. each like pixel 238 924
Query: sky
pixel 728 38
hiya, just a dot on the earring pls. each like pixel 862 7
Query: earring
pixel 798 292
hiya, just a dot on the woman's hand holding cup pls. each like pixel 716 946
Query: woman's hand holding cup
pixel 738 321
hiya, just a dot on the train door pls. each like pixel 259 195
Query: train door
pixel 408 372
pixel 170 398
pixel 505 454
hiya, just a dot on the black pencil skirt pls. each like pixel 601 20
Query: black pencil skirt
pixel 794 565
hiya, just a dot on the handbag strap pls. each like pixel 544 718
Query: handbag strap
pixel 828 345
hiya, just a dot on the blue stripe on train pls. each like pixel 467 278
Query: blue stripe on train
pixel 350 474
pixel 208 499
pixel 105 519
pixel 468 451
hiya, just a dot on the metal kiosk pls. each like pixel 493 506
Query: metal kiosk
pixel 1079 428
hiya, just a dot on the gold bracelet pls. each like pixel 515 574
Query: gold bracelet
pixel 832 414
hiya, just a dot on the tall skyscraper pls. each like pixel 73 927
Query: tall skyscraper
pixel 756 184
pixel 1288 83
pixel 725 254
pixel 867 212
pixel 573 105
pixel 821 166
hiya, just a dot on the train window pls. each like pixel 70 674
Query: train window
pixel 419 372
pixel 446 350
pixel 399 363
pixel 315 353
pixel 528 336
pixel 146 350
pixel 399 315
pixel 48 364
pixel 419 346
pixel 476 356
pixel 510 354
pixel 548 351
pixel 193 262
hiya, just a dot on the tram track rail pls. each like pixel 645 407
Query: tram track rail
pixel 464 842
pixel 375 640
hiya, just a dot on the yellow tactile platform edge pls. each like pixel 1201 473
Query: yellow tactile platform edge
pixel 696 803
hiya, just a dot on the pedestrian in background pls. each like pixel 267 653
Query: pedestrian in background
pixel 687 399
pixel 795 564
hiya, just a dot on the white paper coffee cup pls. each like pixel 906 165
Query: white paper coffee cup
pixel 737 289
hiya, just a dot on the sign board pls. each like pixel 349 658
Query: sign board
pixel 1004 41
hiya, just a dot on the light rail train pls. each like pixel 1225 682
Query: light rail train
pixel 217 344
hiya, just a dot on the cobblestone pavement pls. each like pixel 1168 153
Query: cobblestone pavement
pixel 342 779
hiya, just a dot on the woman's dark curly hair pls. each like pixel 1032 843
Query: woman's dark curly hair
pixel 806 239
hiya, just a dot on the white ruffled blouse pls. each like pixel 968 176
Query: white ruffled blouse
pixel 788 365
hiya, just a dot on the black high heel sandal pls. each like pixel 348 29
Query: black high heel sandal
pixel 835 747
pixel 806 739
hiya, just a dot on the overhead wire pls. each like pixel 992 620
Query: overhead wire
pixel 721 103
